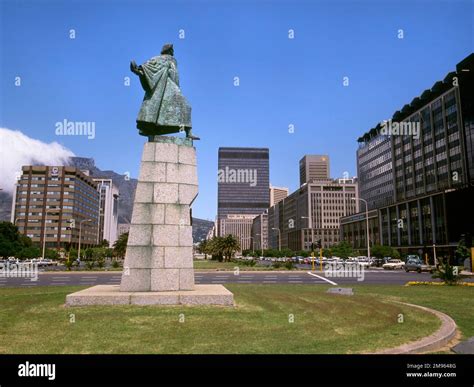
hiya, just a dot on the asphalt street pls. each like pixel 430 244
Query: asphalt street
pixel 396 277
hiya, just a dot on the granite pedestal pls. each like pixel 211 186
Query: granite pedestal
pixel 158 263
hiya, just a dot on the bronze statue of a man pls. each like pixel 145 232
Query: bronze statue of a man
pixel 164 109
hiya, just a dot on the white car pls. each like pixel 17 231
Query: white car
pixel 393 264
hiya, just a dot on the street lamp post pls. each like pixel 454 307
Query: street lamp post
pixel 312 240
pixel 44 228
pixel 279 237
pixel 80 236
pixel 367 221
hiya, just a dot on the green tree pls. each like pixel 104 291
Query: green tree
pixel 120 245
pixel 303 253
pixel 29 253
pixel 51 254
pixel 87 254
pixel 104 243
pixel 72 253
pixel 381 251
pixel 11 241
pixel 230 245
pixel 203 247
pixel 286 252
pixel 342 250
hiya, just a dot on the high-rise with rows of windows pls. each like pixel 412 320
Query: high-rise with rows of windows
pixel 243 190
pixel 314 167
pixel 417 176
pixel 56 203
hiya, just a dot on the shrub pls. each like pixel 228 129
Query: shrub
pixel 447 273
pixel 100 262
pixel 68 263
pixel 90 264
pixel 289 265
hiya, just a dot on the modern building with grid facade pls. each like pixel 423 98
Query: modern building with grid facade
pixel 50 202
pixel 312 213
pixel 314 167
pixel 420 181
pixel 243 190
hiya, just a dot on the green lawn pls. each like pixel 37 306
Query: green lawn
pixel 34 320
pixel 207 264
pixel 455 301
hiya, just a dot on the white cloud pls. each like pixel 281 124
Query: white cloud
pixel 17 149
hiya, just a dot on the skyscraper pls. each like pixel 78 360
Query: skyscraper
pixel 243 190
pixel 314 167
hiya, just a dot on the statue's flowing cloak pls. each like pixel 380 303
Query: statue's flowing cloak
pixel 164 108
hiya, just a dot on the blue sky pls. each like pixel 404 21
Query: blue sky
pixel 282 81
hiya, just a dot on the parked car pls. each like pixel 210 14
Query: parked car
pixel 393 264
pixel 364 263
pixel 414 263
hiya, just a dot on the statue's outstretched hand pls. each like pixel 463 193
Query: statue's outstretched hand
pixel 134 68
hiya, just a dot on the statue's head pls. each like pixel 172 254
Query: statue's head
pixel 167 49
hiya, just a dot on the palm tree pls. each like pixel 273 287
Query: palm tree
pixel 230 245
pixel 120 245
pixel 203 247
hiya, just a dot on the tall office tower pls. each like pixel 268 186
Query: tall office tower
pixel 109 201
pixel 243 190
pixel 314 167
pixel 277 194
pixel 56 203
pixel 416 170
pixel 311 213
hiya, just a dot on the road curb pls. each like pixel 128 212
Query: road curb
pixel 431 343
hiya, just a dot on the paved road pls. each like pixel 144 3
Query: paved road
pixel 397 277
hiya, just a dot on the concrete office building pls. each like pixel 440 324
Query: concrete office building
pixel 243 190
pixel 240 226
pixel 418 181
pixel 51 201
pixel 260 231
pixel 314 167
pixel 277 194
pixel 312 213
